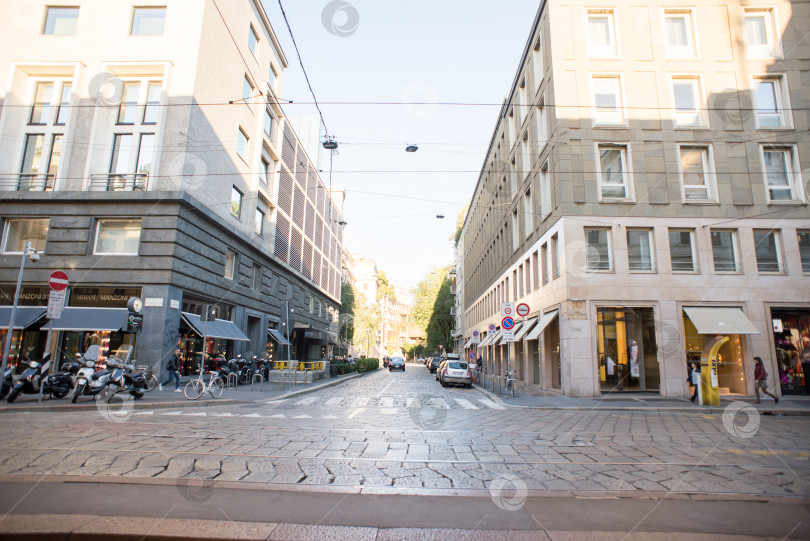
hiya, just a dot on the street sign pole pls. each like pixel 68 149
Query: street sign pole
pixel 58 282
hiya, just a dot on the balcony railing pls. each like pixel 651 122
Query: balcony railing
pixel 114 182
pixel 452 290
pixel 26 182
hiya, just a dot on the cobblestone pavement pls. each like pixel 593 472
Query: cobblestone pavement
pixel 403 430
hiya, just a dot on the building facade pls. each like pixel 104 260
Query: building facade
pixel 144 152
pixel 645 190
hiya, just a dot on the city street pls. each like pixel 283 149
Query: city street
pixel 403 434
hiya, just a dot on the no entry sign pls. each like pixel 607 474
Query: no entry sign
pixel 58 281
pixel 522 309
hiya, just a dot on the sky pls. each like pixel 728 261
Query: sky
pixel 397 53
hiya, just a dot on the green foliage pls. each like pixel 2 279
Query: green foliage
pixel 441 322
pixel 367 322
pixel 460 223
pixel 414 351
pixel 384 287
pixel 347 302
pixel 425 294
pixel 367 365
pixel 346 368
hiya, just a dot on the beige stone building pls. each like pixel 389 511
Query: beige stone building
pixel 645 190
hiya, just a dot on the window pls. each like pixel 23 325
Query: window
pixel 526 156
pixel 150 112
pixel 269 124
pixel 597 252
pixel 769 97
pixel 41 109
pixel 61 21
pixel 804 249
pixel 128 108
pixel 230 264
pixel 528 213
pixel 271 77
pixel 613 172
pixel 19 231
pixel 123 147
pixel 258 226
pixel 536 270
pixel 537 61
pixel 247 90
pixel 696 182
pixel 678 29
pixel 601 34
pixel 515 230
pixel 555 260
pixel 118 237
pixel 780 176
pixel 242 144
pixel 639 250
pixel 63 108
pixel 545 191
pixel 236 202
pixel 148 21
pixel 759 33
pixel 607 100
pixel 682 250
pixel 766 246
pixel 264 172
pixel 688 101
pixel 527 276
pixel 540 119
pixel 724 251
pixel 257 277
pixel 253 40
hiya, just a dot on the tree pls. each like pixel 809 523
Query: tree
pixel 384 287
pixel 424 296
pixel 367 321
pixel 347 299
pixel 460 223
pixel 441 321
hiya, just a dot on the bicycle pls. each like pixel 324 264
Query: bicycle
pixel 511 383
pixel 196 387
pixel 151 379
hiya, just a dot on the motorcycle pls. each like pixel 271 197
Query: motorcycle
pixel 90 382
pixel 124 378
pixel 8 383
pixel 56 385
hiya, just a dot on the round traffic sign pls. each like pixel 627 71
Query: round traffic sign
pixel 522 309
pixel 476 334
pixel 507 323
pixel 491 327
pixel 472 355
pixel 58 281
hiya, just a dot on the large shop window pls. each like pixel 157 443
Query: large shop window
pixel 19 231
pixel 627 350
pixel 118 237
pixel 791 338
pixel 597 253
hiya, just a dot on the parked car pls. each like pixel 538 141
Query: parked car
pixel 455 372
pixel 434 364
pixel 396 363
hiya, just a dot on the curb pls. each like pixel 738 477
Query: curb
pixel 712 410
pixel 330 383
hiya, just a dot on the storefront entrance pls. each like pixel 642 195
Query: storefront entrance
pixel 791 338
pixel 627 350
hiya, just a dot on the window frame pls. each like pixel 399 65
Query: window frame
pixel 619 113
pixel 244 141
pixel 233 258
pixel 774 45
pixel 693 248
pixel 780 266
pixel 803 257
pixel 793 174
pixel 591 49
pixel 241 200
pixel 627 173
pixel 608 237
pixel 709 174
pixel 258 222
pixel 7 227
pixel 254 49
pixel 735 249
pixel 99 224
pixel 134 14
pixel 48 9
pixel 698 95
pixel 690 51
pixel 782 96
pixel 651 244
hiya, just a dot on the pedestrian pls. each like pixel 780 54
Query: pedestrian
pixel 694 369
pixel 806 372
pixel 173 367
pixel 761 380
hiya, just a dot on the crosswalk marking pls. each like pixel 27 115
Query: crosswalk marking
pixel 306 401
pixel 305 416
pixel 329 417
pixel 223 414
pixel 387 402
pixel 172 413
pixel 253 415
pixel 439 404
pixel 360 401
pixel 274 401
pixel 490 404
pixel 334 401
pixel 278 416
pixel 355 412
pixel 466 404
pixel 413 402
pixel 200 414
pixel 144 413
pixel 388 411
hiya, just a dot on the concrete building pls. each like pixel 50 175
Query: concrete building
pixel 144 152
pixel 645 191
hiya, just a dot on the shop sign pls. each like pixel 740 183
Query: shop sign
pixel 56 301
pixel 777 325
pixel 29 295
pixel 134 322
pixel 102 297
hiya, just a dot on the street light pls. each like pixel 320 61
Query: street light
pixel 34 256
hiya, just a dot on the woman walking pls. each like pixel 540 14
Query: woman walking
pixel 761 380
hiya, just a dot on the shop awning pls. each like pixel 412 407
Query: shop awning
pixel 318 336
pixel 712 320
pixel 468 343
pixel 491 338
pixel 541 326
pixel 23 317
pixel 219 328
pixel 278 337
pixel 525 328
pixel 89 319
pixel 499 339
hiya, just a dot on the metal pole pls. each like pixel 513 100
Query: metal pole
pixel 47 351
pixel 10 333
pixel 205 340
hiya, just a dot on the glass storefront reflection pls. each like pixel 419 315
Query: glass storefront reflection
pixel 627 350
pixel 791 337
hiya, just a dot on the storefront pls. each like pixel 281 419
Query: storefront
pixel 27 340
pixel 627 351
pixel 80 328
pixel 701 324
pixel 215 337
pixel 544 351
pixel 277 345
pixel 791 338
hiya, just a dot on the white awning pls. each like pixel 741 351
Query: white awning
pixel 712 320
pixel 468 343
pixel 525 328
pixel 541 326
pixel 499 338
pixel 491 338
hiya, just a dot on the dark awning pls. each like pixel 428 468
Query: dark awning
pixel 219 328
pixel 318 336
pixel 89 319
pixel 278 337
pixel 23 317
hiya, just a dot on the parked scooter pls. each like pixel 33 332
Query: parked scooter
pixel 124 378
pixel 8 383
pixel 90 382
pixel 35 375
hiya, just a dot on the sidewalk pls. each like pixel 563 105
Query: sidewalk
pixel 538 399
pixel 168 398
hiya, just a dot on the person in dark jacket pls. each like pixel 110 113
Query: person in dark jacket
pixel 761 380
pixel 694 368
pixel 173 367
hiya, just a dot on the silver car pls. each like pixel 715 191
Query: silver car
pixel 456 372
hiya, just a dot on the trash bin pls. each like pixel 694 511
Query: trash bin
pixel 333 370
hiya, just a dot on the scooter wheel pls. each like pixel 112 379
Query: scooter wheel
pixel 15 392
pixel 138 395
pixel 77 393
pixel 60 392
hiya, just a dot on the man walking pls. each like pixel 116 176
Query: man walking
pixel 173 367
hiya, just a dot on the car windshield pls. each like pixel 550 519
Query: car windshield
pixel 398 360
pixel 457 366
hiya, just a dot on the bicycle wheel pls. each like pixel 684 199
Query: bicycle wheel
pixel 512 392
pixel 215 387
pixel 151 383
pixel 194 389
